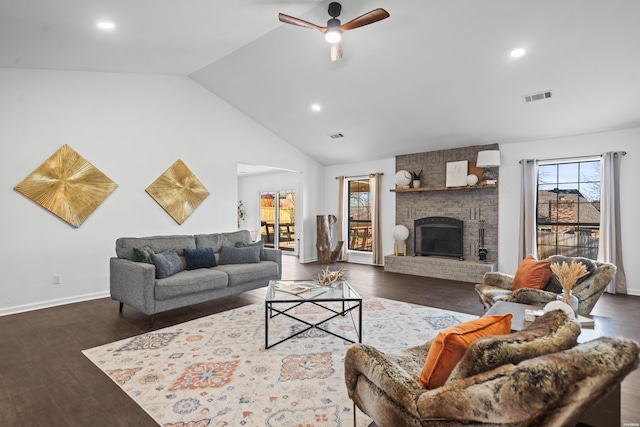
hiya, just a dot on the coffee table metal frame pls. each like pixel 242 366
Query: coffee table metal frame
pixel 343 292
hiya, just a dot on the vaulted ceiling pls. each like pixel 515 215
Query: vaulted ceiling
pixel 436 74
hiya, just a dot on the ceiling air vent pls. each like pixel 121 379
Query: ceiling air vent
pixel 336 135
pixel 538 96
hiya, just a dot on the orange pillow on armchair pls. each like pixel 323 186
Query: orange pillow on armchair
pixel 532 273
pixel 450 344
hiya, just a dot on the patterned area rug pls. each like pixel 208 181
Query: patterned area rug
pixel 214 371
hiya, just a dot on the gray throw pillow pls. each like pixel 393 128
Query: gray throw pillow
pixel 199 258
pixel 259 244
pixel 231 255
pixel 142 254
pixel 554 284
pixel 167 263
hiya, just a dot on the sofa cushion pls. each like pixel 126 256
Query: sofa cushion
pixel 554 284
pixel 233 255
pixel 190 282
pixel 213 241
pixel 234 237
pixel 259 244
pixel 532 273
pixel 125 245
pixel 243 273
pixel 167 263
pixel 218 240
pixel 199 258
pixel 142 254
pixel 451 343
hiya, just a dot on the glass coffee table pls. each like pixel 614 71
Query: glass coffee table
pixel 285 296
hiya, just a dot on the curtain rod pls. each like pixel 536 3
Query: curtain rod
pixel 623 153
pixel 357 176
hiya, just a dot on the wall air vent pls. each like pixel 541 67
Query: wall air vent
pixel 336 135
pixel 538 96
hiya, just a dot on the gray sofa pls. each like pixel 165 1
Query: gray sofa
pixel 135 283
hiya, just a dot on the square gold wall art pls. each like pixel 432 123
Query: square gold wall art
pixel 178 191
pixel 67 185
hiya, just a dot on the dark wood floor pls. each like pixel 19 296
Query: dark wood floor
pixel 45 380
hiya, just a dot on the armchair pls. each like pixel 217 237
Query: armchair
pixel 536 377
pixel 499 287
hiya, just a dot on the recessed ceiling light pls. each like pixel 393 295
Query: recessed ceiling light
pixel 104 25
pixel 316 107
pixel 517 53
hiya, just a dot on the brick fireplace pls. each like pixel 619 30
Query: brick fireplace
pixel 469 206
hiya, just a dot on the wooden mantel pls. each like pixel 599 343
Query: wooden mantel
pixel 422 189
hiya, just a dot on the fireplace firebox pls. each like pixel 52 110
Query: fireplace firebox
pixel 438 236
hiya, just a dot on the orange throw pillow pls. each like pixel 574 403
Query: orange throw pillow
pixel 532 273
pixel 450 345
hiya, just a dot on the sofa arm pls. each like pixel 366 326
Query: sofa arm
pixel 275 255
pixel 499 280
pixel 133 283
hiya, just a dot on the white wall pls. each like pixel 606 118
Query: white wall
pixel 131 127
pixel 387 202
pixel 581 145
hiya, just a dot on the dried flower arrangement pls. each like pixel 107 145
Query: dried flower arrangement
pixel 568 275
pixel 327 277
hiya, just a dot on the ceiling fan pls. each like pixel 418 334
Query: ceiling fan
pixel 334 28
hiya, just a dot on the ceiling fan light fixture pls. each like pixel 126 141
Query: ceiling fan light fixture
pixel 333 35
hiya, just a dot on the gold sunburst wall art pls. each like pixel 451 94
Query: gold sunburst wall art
pixel 68 186
pixel 178 191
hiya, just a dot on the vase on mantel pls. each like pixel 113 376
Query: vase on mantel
pixel 571 301
pixel 416 183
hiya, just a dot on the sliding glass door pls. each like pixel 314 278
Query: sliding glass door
pixel 278 220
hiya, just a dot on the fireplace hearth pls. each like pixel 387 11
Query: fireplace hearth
pixel 438 236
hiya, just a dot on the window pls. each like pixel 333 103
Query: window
pixel 568 211
pixel 359 215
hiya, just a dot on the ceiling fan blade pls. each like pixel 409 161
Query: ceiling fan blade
pixel 336 51
pixel 300 23
pixel 366 19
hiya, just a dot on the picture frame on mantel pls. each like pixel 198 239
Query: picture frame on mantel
pixel 457 173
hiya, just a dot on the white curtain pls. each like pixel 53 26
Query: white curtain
pixel 528 199
pixel 376 237
pixel 342 217
pixel 610 242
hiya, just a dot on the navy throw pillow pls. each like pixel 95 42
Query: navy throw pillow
pixel 199 258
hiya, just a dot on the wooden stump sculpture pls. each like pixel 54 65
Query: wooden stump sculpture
pixel 324 242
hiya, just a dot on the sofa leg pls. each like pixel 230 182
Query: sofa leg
pixel 152 319
pixel 121 305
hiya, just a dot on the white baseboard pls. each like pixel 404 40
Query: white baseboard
pixel 52 303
